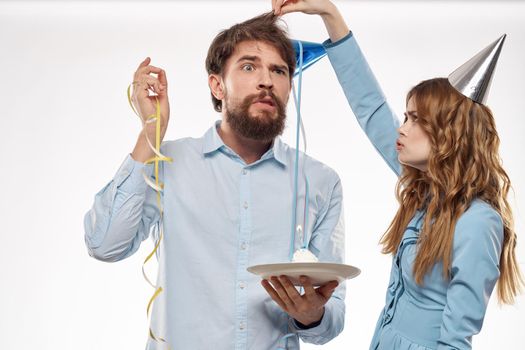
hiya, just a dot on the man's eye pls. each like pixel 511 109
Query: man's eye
pixel 280 71
pixel 247 67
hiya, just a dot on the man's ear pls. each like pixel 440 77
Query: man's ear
pixel 216 86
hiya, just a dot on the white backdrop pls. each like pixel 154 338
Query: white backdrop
pixel 66 127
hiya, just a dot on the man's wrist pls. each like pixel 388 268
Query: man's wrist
pixel 142 151
pixel 307 324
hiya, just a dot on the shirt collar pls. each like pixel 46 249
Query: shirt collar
pixel 213 143
pixel 279 150
pixel 212 140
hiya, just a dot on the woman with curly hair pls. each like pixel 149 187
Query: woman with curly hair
pixel 452 237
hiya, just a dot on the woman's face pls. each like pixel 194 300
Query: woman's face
pixel 413 144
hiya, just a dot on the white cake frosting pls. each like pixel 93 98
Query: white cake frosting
pixel 304 255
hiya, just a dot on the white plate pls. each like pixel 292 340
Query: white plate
pixel 319 272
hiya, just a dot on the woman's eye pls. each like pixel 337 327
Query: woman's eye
pixel 411 117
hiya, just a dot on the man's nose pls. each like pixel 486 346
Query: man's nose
pixel 265 80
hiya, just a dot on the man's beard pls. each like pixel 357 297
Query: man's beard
pixel 261 128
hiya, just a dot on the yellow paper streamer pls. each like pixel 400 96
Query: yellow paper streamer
pixel 158 187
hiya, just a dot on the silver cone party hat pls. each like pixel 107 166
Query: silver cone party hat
pixel 473 78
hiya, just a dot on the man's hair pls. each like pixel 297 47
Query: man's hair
pixel 261 28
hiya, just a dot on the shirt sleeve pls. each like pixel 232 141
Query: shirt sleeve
pixel 365 97
pixel 122 215
pixel 474 271
pixel 328 243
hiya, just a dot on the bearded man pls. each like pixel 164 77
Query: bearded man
pixel 227 204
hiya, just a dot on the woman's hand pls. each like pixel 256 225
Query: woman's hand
pixel 334 22
pixel 310 7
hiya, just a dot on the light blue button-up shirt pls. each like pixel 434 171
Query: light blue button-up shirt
pixel 221 215
pixel 441 313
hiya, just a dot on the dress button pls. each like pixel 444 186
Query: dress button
pixel 242 326
pixel 244 171
pixel 242 285
pixel 243 246
pixel 245 205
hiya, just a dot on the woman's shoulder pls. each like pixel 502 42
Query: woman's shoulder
pixel 480 224
pixel 480 213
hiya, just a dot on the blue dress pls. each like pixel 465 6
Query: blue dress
pixel 440 313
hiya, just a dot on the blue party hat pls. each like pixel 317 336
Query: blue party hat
pixel 312 52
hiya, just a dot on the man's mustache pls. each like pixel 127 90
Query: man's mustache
pixel 263 94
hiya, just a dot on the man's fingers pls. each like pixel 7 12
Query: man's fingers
pixel 149 69
pixel 328 289
pixel 145 72
pixel 162 78
pixel 273 294
pixel 144 63
pixel 148 82
pixel 309 290
pixel 290 289
pixel 282 293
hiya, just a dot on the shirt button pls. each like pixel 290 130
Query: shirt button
pixel 243 246
pixel 245 205
pixel 244 171
pixel 242 326
pixel 242 285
